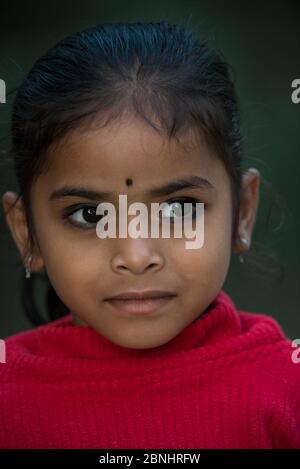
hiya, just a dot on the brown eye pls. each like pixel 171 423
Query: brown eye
pixel 85 217
pixel 177 208
pixel 89 215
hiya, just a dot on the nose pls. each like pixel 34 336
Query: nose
pixel 137 256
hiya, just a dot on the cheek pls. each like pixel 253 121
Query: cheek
pixel 209 263
pixel 73 261
pixel 76 276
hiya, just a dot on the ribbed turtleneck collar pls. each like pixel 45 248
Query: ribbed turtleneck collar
pixel 72 353
pixel 63 338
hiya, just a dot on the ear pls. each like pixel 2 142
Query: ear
pixel 16 220
pixel 249 201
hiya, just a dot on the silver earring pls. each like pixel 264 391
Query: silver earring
pixel 27 269
pixel 245 243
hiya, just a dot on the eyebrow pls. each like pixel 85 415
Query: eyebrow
pixel 173 186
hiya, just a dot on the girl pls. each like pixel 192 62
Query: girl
pixel 145 350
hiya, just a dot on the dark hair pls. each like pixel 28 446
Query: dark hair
pixel 158 71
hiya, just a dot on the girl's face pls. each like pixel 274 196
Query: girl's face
pixel 86 270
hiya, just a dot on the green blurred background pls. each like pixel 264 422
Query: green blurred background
pixel 261 41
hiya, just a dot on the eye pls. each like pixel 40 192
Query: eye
pixel 177 208
pixel 83 217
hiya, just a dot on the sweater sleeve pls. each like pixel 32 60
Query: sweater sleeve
pixel 285 418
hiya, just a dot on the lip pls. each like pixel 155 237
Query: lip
pixel 140 307
pixel 141 302
pixel 141 295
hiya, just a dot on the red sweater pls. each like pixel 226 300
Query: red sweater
pixel 226 381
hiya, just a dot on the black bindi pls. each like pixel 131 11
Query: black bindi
pixel 128 182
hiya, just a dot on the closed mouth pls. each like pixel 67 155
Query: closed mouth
pixel 141 295
pixel 141 304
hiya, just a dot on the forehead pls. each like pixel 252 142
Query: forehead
pixel 130 149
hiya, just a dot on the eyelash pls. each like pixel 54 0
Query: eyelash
pixel 69 211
